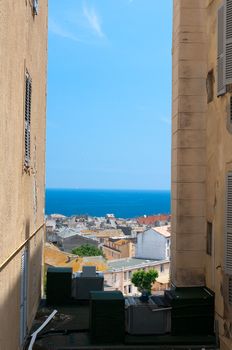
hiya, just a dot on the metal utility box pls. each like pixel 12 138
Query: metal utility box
pixel 107 317
pixel 192 310
pixel 147 317
pixel 82 285
pixel 59 285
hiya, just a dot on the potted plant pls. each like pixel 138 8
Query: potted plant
pixel 143 280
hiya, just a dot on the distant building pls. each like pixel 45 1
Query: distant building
pixel 68 239
pixel 50 225
pixel 154 243
pixel 125 229
pixel 101 234
pixel 57 258
pixel 110 216
pixel 119 274
pixel 118 248
pixel 155 220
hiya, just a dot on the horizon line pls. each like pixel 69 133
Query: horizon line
pixel 106 189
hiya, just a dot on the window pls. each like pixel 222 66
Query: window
pixel 129 274
pixel 228 226
pixel 125 276
pixel 220 58
pixel 125 289
pixel 229 115
pixel 224 55
pixel 130 289
pixel 230 291
pixel 209 86
pixel 27 120
pixel 35 7
pixel 161 268
pixel 209 238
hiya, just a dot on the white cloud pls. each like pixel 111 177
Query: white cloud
pixel 58 30
pixel 93 21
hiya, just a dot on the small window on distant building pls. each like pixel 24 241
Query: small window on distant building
pixel 209 86
pixel 129 274
pixel 125 289
pixel 130 289
pixel 27 120
pixel 209 238
pixel 125 276
pixel 161 268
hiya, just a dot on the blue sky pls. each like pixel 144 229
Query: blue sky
pixel 109 94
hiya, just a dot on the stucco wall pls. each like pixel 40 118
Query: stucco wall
pixel 201 157
pixel 151 245
pixel 122 278
pixel 218 163
pixel 23 43
pixel 188 142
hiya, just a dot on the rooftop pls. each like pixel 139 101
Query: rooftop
pixel 132 262
pixel 54 257
pixel 69 330
pixel 163 230
pixel 149 220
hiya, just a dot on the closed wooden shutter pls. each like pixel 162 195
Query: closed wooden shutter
pixel 228 226
pixel 27 121
pixel 221 52
pixel 228 42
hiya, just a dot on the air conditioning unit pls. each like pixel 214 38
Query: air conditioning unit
pixel 35 7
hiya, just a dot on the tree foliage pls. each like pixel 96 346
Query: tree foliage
pixel 87 250
pixel 144 279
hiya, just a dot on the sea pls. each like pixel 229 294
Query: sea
pixel 122 203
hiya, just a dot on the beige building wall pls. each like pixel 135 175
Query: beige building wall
pixel 201 157
pixel 120 279
pixel 188 142
pixel 23 46
pixel 114 250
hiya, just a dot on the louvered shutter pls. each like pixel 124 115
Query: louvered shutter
pixel 230 291
pixel 221 89
pixel 27 121
pixel 230 111
pixel 23 295
pixel 228 42
pixel 228 226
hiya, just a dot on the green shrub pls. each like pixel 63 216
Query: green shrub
pixel 87 250
pixel 143 280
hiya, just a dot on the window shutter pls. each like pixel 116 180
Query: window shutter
pixel 230 291
pixel 28 89
pixel 221 52
pixel 228 42
pixel 228 226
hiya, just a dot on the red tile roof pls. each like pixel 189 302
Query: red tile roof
pixel 151 220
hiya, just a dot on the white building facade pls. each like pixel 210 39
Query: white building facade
pixel 154 243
